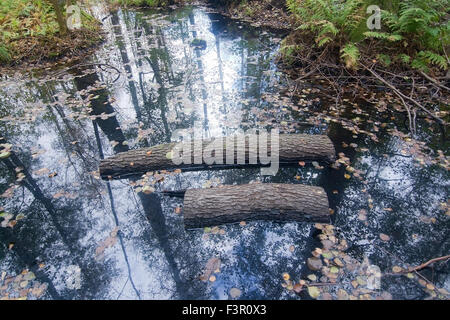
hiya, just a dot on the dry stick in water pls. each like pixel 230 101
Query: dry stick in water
pixel 426 264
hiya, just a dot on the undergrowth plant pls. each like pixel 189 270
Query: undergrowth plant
pixel 24 19
pixel 413 32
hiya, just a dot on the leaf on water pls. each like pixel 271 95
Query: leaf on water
pixel 298 287
pixel 314 292
pixel 235 293
pixel 212 265
pixel 215 230
pixel 107 243
pixel 5 155
pixel 334 269
pixel 312 277
pixel 178 210
pixel 384 237
pixel 430 286
pixel 29 276
pixel 397 269
pixel 148 190
pixel 286 276
pixel 41 171
pixel 342 294
pixel 38 290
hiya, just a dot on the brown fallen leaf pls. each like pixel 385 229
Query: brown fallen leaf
pixel 384 237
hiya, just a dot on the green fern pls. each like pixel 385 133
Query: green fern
pixel 350 54
pixel 428 57
pixel 5 56
pixel 383 35
pixel 404 58
pixel 417 30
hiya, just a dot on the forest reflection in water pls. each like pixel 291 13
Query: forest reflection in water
pixel 90 239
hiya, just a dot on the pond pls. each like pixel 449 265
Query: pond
pixel 84 238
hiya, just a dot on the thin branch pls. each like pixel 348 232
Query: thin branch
pixel 440 85
pixel 426 264
pixel 402 96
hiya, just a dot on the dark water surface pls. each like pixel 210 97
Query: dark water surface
pixel 149 80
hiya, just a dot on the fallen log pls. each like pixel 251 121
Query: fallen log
pixel 292 149
pixel 258 201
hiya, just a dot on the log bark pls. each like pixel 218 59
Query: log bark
pixel 258 201
pixel 292 149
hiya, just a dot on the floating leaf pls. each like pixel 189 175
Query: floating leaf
pixel 5 155
pixel 334 269
pixel 212 265
pixel 148 190
pixel 397 269
pixel 235 293
pixel 312 277
pixel 384 237
pixel 298 287
pixel 314 292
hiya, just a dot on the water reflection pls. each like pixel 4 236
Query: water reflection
pixel 61 126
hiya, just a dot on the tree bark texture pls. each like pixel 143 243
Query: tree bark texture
pixel 292 149
pixel 258 201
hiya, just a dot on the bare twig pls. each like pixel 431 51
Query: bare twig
pixel 402 96
pixel 426 264
pixel 440 85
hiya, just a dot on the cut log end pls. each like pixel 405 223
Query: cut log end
pixel 259 201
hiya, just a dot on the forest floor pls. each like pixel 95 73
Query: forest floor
pixel 30 37
pixel 48 52
pixel 264 13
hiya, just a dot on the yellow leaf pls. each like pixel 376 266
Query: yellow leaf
pixel 397 269
pixel 314 292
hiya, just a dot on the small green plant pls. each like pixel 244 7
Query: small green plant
pixel 4 54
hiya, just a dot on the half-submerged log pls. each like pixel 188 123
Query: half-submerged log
pixel 259 201
pixel 292 149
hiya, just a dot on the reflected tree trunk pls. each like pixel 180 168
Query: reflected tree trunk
pixel 150 203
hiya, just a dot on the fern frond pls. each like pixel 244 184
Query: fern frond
pixel 350 54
